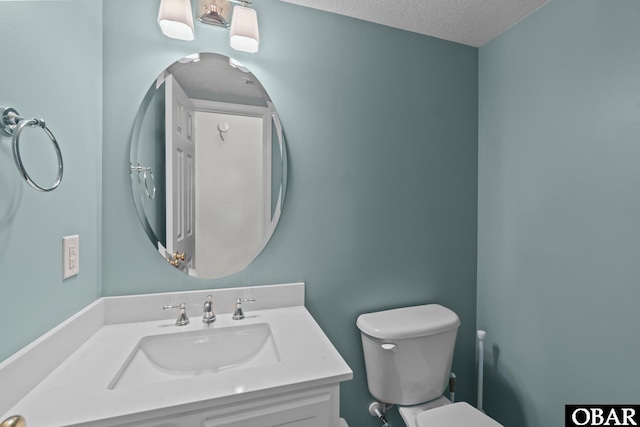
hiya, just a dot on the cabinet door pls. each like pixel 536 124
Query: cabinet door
pixel 310 412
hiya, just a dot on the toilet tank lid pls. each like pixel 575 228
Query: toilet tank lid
pixel 408 322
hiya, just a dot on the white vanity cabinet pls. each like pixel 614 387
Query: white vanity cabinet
pixel 89 371
pixel 317 407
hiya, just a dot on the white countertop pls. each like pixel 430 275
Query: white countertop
pixel 76 391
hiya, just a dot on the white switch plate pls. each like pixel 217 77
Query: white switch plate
pixel 70 256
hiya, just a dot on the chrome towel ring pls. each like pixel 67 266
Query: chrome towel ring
pixel 146 172
pixel 13 124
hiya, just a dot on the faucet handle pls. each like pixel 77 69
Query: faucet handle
pixel 183 319
pixel 239 314
pixel 207 309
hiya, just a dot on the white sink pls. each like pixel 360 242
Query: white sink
pixel 177 355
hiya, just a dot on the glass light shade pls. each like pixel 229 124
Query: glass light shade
pixel 176 19
pixel 244 34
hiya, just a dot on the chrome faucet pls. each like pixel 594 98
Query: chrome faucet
pixel 239 314
pixel 208 316
pixel 183 319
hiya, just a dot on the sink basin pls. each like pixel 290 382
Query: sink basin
pixel 176 355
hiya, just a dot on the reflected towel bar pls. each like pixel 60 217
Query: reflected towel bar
pixel 12 124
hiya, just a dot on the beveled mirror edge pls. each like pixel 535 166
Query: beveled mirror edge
pixel 133 148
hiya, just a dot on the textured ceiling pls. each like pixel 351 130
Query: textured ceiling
pixel 470 22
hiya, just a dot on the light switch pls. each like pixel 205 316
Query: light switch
pixel 70 256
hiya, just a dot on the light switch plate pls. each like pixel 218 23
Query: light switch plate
pixel 70 256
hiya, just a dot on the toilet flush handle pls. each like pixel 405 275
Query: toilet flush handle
pixel 390 347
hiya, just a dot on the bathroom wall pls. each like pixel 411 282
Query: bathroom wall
pixel 51 68
pixel 381 208
pixel 559 211
pixel 381 127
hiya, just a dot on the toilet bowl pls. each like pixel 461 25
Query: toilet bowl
pixel 408 354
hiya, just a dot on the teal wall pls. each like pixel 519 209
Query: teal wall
pixel 381 202
pixel 559 210
pixel 381 205
pixel 51 68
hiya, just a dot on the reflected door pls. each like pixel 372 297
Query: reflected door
pixel 232 191
pixel 180 157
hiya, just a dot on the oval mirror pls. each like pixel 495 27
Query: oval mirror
pixel 208 165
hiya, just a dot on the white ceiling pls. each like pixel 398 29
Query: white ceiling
pixel 470 22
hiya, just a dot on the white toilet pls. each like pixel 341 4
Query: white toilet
pixel 408 354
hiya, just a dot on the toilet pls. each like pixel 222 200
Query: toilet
pixel 408 354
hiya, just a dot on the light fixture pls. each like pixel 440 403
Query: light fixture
pixel 176 19
pixel 244 35
pixel 214 12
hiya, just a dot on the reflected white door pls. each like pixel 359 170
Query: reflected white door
pixel 180 167
pixel 230 212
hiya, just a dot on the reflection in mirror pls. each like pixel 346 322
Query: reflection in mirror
pixel 208 165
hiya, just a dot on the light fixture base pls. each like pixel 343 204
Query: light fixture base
pixel 218 13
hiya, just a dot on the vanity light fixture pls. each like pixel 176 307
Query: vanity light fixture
pixel 214 12
pixel 176 19
pixel 244 35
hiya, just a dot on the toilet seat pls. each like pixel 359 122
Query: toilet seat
pixel 459 414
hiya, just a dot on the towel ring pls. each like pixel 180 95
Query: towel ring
pixel 151 193
pixel 13 124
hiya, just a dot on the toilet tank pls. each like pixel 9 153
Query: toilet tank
pixel 408 352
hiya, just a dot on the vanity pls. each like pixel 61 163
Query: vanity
pixel 123 361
